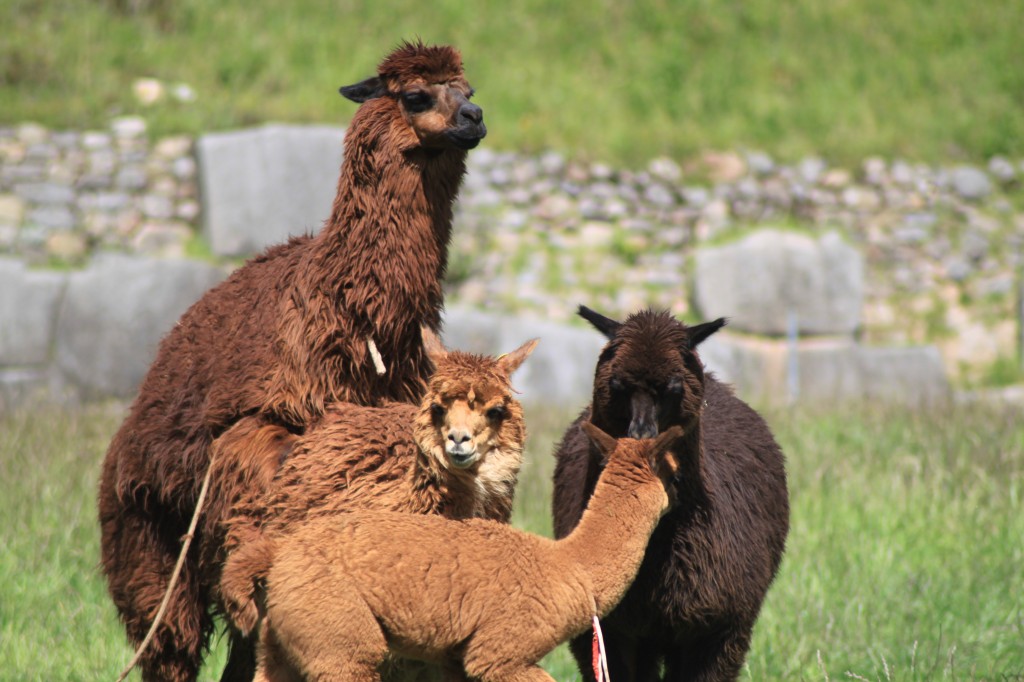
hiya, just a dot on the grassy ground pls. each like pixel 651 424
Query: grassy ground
pixel 615 81
pixel 903 561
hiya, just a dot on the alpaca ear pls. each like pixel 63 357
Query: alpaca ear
pixel 509 362
pixel 432 345
pixel 363 90
pixel 605 325
pixel 697 333
pixel 604 443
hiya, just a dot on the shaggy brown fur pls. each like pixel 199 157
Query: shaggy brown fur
pixel 285 336
pixel 457 455
pixel 712 558
pixel 475 595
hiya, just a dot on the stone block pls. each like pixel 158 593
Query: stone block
pixel 759 281
pixel 826 371
pixel 260 186
pixel 28 309
pixel 560 372
pixel 114 315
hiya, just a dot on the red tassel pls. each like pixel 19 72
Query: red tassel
pixel 597 657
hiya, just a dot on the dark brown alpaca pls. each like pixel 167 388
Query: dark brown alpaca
pixel 287 335
pixel 712 558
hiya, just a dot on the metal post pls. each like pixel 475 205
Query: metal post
pixel 793 366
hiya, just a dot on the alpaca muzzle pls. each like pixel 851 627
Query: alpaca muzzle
pixel 459 447
pixel 643 422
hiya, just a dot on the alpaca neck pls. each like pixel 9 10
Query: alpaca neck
pixel 373 273
pixel 611 537
pixel 386 242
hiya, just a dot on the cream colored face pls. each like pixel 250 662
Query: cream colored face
pixel 469 426
pixel 441 114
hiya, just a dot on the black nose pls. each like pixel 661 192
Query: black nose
pixel 472 112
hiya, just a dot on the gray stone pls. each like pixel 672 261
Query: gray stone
pixel 560 372
pixel 665 169
pixel 970 183
pixel 826 372
pixel 46 193
pixel 261 185
pixel 131 177
pixel 51 217
pixel 28 309
pixel 158 207
pixel 114 315
pixel 552 163
pixel 32 133
pixel 760 281
pixel 1002 169
pixel 760 163
pixel 659 195
pixel 811 168
pixel 128 127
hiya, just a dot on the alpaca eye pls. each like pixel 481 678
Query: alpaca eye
pixel 616 385
pixel 674 387
pixel 437 411
pixel 497 413
pixel 416 102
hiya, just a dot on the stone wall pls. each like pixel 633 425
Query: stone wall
pixel 910 254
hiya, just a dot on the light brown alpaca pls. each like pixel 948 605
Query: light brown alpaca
pixel 282 338
pixel 475 594
pixel 457 455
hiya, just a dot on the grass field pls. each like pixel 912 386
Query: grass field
pixel 614 81
pixel 904 560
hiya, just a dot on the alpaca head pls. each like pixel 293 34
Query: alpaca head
pixel 426 87
pixel 648 375
pixel 648 457
pixel 469 420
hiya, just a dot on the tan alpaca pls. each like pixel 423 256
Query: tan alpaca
pixel 457 455
pixel 474 594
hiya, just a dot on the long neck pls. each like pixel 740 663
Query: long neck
pixel 385 246
pixel 374 272
pixel 611 537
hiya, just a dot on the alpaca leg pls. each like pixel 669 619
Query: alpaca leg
pixel 329 632
pixel 138 556
pixel 709 659
pixel 272 665
pixel 241 666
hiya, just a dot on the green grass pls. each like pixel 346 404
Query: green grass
pixel 903 562
pixel 614 81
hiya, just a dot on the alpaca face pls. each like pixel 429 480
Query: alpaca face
pixel 469 425
pixel 649 376
pixel 431 93
pixel 441 114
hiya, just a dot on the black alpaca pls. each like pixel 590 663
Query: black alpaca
pixel 690 613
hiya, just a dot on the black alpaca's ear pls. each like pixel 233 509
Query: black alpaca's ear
pixel 697 333
pixel 605 325
pixel 604 443
pixel 364 90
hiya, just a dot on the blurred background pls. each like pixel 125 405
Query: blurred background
pixel 844 180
